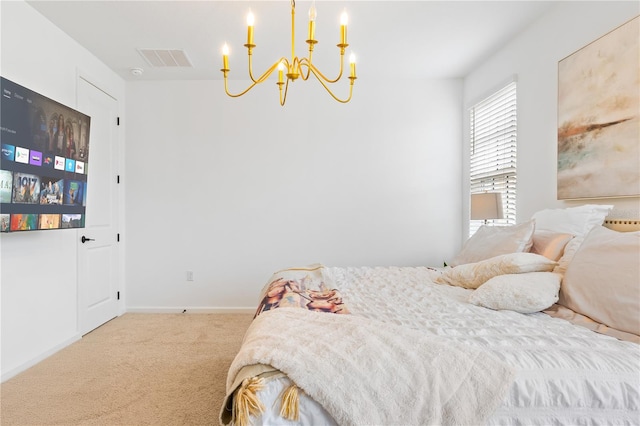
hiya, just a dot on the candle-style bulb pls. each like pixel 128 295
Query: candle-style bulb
pixel 250 21
pixel 280 72
pixel 225 57
pixel 343 28
pixel 312 23
pixel 352 64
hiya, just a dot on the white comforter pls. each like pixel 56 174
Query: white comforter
pixel 564 374
pixel 367 372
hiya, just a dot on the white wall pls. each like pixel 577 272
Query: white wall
pixel 254 187
pixel 260 187
pixel 39 269
pixel 534 57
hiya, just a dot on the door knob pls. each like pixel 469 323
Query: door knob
pixel 85 239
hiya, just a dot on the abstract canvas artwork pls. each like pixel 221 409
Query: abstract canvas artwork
pixel 598 117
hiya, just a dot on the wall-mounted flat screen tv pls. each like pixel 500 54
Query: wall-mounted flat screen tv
pixel 44 164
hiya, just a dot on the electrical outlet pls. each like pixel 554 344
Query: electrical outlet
pixel 189 275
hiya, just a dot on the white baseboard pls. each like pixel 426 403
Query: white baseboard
pixel 188 310
pixel 23 367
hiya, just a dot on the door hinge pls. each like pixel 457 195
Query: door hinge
pixel 118 121
pixel 118 295
pixel 118 237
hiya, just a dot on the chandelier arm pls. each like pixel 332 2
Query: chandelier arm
pixel 251 67
pixel 322 81
pixel 237 95
pixel 321 76
pixel 260 79
pixel 267 73
pixel 303 76
pixel 304 62
pixel 286 89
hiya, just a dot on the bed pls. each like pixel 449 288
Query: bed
pixel 535 324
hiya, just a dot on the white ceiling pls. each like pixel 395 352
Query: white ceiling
pixel 415 39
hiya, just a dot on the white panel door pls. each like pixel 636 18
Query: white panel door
pixel 97 243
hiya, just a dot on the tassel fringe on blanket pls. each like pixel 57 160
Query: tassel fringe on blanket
pixel 290 409
pixel 247 403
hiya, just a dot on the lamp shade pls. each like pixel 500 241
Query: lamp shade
pixel 486 205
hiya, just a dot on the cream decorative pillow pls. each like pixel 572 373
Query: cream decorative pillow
pixel 491 241
pixel 473 275
pixel 550 244
pixel 602 281
pixel 524 293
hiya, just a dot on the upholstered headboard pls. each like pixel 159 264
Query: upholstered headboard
pixel 622 225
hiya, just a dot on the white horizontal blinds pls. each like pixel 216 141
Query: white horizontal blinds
pixel 493 151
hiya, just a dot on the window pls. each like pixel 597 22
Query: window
pixel 493 151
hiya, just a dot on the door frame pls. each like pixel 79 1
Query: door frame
pixel 119 168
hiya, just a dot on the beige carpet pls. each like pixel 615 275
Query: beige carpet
pixel 138 369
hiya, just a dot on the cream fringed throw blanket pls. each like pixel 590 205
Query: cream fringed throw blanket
pixel 372 372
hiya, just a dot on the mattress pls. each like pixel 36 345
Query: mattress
pixel 564 374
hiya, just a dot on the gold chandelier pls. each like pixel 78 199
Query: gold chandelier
pixel 296 67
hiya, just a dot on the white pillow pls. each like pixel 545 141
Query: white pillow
pixel 577 221
pixel 524 293
pixel 491 241
pixel 473 275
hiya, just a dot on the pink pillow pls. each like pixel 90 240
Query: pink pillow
pixel 550 244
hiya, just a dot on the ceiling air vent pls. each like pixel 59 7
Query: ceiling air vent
pixel 166 57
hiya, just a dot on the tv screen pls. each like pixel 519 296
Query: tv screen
pixel 44 164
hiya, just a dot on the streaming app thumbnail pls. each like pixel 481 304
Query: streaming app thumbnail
pixel 70 165
pixel 80 167
pixel 49 221
pixel 58 163
pixel 22 155
pixel 24 222
pixel 5 220
pixel 51 190
pixel 26 189
pixel 47 160
pixel 35 158
pixel 72 221
pixel 6 182
pixel 73 192
pixel 8 152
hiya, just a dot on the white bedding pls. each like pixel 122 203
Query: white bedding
pixel 367 372
pixel 564 374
